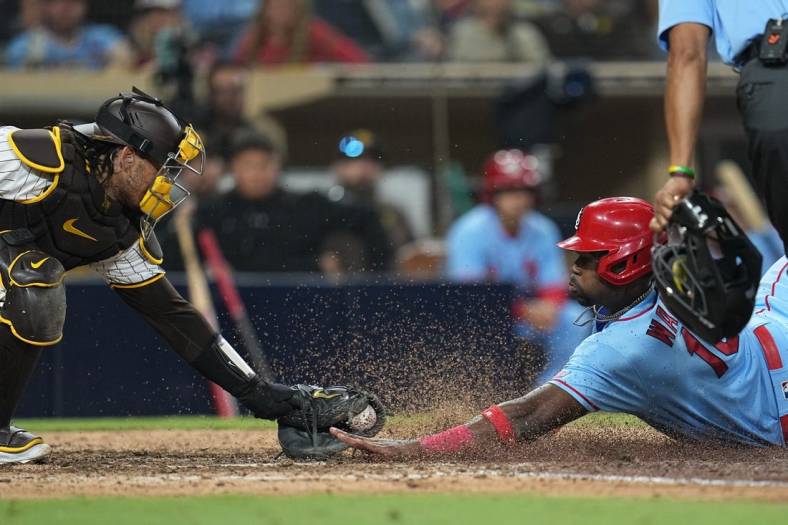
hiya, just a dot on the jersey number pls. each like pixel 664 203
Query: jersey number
pixel 695 347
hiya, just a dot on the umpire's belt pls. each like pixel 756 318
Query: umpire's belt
pixel 752 51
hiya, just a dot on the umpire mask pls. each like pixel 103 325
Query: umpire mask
pixel 708 272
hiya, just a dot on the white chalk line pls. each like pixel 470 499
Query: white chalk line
pixel 305 472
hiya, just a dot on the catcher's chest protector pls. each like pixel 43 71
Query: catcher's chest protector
pixel 72 220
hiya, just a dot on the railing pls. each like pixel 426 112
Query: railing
pixel 52 92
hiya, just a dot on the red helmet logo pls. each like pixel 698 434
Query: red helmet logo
pixel 617 226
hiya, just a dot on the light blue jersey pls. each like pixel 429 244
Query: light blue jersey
pixel 647 364
pixel 91 48
pixel 769 244
pixel 733 22
pixel 479 249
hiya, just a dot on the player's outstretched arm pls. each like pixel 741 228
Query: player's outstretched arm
pixel 304 409
pixel 190 335
pixel 522 419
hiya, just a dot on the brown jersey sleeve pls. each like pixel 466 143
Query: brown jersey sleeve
pixel 172 316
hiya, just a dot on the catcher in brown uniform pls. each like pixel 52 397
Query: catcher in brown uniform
pixel 91 195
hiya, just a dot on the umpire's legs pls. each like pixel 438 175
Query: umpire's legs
pixel 763 101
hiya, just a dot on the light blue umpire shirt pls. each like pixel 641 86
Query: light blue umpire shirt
pixel 733 22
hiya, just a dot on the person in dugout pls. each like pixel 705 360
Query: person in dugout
pixel 504 239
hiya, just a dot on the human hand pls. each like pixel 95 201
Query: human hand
pixel 675 189
pixel 392 448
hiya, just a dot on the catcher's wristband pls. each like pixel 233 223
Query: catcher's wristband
pixel 677 170
pixel 501 423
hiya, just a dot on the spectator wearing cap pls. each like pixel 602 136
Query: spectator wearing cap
pixel 263 227
pixel 492 33
pixel 285 32
pixel 505 239
pixel 64 39
pixel 357 171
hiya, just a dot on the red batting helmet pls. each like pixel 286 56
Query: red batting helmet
pixel 510 169
pixel 619 227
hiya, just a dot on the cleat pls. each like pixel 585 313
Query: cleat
pixel 19 446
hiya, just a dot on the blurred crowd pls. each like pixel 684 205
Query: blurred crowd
pixel 140 33
pixel 202 52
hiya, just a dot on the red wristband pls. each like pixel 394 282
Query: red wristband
pixel 452 440
pixel 501 424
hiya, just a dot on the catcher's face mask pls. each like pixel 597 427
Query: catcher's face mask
pixel 143 122
pixel 165 193
pixel 708 272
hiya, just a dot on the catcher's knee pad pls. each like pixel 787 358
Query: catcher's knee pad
pixel 34 306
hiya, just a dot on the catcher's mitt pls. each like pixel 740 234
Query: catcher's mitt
pixel 303 433
pixel 300 444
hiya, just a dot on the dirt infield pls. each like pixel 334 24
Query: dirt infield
pixel 622 461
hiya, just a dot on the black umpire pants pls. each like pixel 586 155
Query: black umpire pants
pixel 762 97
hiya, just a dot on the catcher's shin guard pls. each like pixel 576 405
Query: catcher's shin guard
pixel 34 302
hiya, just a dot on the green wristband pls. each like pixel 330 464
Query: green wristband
pixel 682 171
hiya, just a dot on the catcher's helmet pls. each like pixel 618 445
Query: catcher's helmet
pixel 617 226
pixel 708 272
pixel 510 170
pixel 143 122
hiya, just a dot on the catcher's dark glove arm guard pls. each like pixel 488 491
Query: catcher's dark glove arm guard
pixel 162 307
pixel 194 340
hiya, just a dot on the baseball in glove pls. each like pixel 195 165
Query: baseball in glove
pixel 303 433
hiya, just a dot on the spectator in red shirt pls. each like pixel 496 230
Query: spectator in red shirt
pixel 285 32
